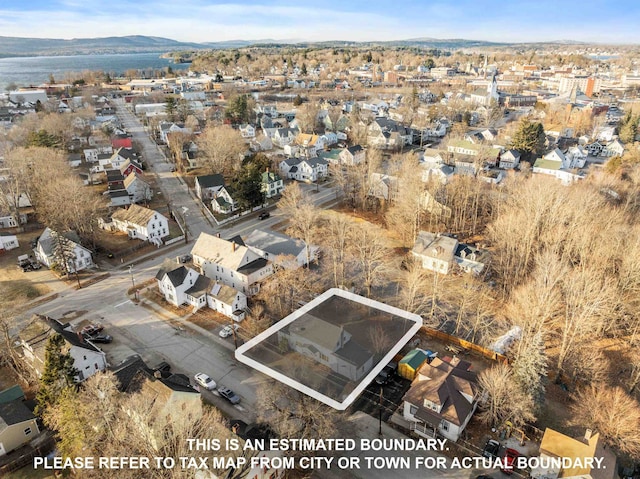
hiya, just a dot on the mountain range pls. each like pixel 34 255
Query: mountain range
pixel 18 46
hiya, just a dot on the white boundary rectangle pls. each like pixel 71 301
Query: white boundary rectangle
pixel 341 406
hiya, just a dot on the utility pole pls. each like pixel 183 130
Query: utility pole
pixel 133 283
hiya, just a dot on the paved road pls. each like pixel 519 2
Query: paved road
pixel 173 189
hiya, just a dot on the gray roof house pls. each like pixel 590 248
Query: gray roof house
pixel 77 256
pixel 436 252
pixel 18 424
pixel 283 250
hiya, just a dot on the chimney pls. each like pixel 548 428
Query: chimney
pixel 80 337
pixel 587 435
pixel 217 235
pixel 157 374
pixel 234 245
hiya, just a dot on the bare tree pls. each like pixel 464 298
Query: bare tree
pixel 336 229
pixel 612 413
pixel 302 214
pixel 307 117
pixel 370 249
pixel 502 399
pixel 222 149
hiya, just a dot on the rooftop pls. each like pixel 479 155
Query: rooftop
pixel 336 328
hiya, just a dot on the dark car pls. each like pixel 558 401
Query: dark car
pixel 387 373
pixel 91 329
pixel 491 449
pixel 229 395
pixel 35 265
pixel 264 215
pixel 162 367
pixel 185 258
pixel 101 338
pixel 510 456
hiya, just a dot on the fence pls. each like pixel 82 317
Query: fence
pixel 465 345
pixel 25 458
pixel 174 240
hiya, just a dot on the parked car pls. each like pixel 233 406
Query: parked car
pixel 162 367
pixel 91 329
pixel 491 449
pixel 228 330
pixel 205 381
pixel 510 456
pixel 185 258
pixel 101 338
pixel 229 395
pixel 264 215
pixel 387 373
pixel 35 265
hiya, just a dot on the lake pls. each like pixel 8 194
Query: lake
pixel 25 71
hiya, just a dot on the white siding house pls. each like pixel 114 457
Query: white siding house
pixel 141 223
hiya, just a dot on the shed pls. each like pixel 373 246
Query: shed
pixel 411 363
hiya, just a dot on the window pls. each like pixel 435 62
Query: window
pixel 444 425
pixel 27 431
pixel 413 409
pixel 84 357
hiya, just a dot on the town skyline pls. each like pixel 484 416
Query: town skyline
pixel 285 21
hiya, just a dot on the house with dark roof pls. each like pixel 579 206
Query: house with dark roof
pixel 140 223
pixel 223 201
pixel 230 263
pixel 353 155
pixel 387 134
pixel 509 159
pixel 88 358
pixel 50 243
pixel 301 169
pixel 442 398
pixel 181 285
pixel 328 344
pixel 175 279
pixel 164 396
pixel 207 186
pixel 18 424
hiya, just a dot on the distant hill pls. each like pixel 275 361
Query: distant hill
pixel 17 46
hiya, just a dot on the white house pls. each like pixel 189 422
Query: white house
pixel 223 201
pixel 207 186
pixel 227 301
pixel 176 283
pixel 8 220
pixel 354 155
pixel 311 169
pixel 510 159
pixel 77 257
pixel 141 223
pixel 442 398
pixel 279 248
pixel 556 164
pixel 230 263
pixel 247 131
pixel 613 148
pixel 8 242
pixel 88 358
pixel 435 252
pixel 137 189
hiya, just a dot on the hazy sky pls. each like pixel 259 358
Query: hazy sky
pixel 602 21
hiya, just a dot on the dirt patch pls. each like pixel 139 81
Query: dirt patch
pixel 208 319
pixel 16 286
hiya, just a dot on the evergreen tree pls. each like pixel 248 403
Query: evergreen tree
pixel 248 187
pixel 170 107
pixel 529 139
pixel 530 367
pixel 58 374
pixel 63 253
